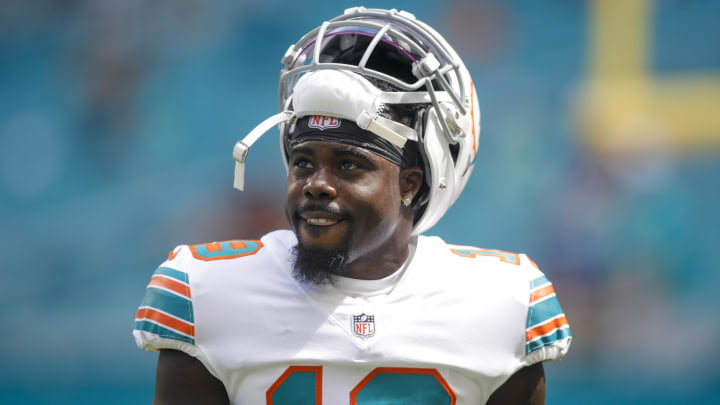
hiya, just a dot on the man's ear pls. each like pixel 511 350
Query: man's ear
pixel 410 181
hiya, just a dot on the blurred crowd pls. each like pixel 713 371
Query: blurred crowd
pixel 118 119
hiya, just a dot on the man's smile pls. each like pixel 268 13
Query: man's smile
pixel 320 217
pixel 321 221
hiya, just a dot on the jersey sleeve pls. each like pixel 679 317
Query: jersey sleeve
pixel 165 318
pixel 547 331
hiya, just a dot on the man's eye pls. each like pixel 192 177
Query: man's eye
pixel 303 164
pixel 348 166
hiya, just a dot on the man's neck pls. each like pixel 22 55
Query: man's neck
pixel 379 263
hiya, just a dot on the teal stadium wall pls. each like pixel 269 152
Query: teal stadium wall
pixel 117 121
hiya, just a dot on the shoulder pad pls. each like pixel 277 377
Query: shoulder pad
pixel 547 331
pixel 165 318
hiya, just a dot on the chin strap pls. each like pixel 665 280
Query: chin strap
pixel 241 147
pixel 395 132
pixel 390 130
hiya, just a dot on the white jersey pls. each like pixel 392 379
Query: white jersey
pixel 451 326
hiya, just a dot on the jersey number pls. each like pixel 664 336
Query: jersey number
pixel 302 385
pixel 229 249
pixel 507 257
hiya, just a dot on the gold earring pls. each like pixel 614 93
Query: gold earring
pixel 406 201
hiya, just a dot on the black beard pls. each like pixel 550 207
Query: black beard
pixel 315 266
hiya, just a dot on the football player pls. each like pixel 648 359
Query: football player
pixel 379 124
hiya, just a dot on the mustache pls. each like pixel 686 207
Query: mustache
pixel 330 208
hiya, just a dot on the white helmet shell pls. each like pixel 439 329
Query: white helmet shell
pixel 314 81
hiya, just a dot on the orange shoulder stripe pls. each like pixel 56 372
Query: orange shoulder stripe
pixel 541 292
pixel 546 328
pixel 165 320
pixel 170 284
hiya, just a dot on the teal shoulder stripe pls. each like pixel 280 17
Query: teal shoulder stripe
pixel 538 282
pixel 542 311
pixel 168 302
pixel 162 332
pixel 176 274
pixel 547 340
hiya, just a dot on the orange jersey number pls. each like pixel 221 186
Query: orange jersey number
pixel 472 252
pixel 303 384
pixel 225 250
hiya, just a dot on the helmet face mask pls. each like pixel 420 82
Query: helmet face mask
pixel 336 69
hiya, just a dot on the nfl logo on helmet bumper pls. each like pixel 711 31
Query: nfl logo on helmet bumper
pixel 322 122
pixel 363 325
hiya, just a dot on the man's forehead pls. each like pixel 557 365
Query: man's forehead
pixel 342 131
pixel 336 147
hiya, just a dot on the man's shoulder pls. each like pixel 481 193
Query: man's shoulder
pixel 205 277
pixel 480 259
pixel 480 273
pixel 236 253
pixel 512 281
pixel 195 272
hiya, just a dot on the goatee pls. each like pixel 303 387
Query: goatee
pixel 315 265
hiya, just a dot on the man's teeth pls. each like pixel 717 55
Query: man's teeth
pixel 320 221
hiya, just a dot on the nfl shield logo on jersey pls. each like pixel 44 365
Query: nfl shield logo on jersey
pixel 363 325
pixel 322 122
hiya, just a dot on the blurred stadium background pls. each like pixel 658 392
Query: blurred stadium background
pixel 599 157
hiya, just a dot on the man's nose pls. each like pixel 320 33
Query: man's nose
pixel 319 186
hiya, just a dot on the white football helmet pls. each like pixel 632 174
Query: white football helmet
pixel 327 73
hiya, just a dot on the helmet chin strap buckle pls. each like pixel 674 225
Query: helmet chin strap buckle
pixel 393 132
pixel 240 151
